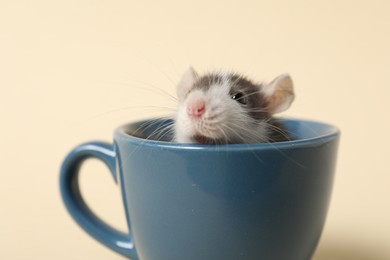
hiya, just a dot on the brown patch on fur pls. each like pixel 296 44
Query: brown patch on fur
pixel 205 82
pixel 256 103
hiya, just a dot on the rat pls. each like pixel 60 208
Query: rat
pixel 227 108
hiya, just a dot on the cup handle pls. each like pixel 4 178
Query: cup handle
pixel 75 204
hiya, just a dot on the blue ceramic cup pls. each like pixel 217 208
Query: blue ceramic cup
pixel 206 202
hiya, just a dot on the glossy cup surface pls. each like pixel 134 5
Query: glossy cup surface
pixel 258 201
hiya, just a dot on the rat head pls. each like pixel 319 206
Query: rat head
pixel 222 107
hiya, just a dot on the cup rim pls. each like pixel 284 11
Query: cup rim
pixel 332 132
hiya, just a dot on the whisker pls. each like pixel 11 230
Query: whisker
pixel 157 89
pixel 159 130
pixel 252 136
pixel 129 108
pixel 284 132
pixel 253 93
pixel 163 131
pixel 145 86
pixel 286 156
pixel 257 157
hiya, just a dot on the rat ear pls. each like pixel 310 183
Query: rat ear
pixel 279 93
pixel 185 84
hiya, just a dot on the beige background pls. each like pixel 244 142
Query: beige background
pixel 71 71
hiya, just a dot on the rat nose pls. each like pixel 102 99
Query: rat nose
pixel 196 107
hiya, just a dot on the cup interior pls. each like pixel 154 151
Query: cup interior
pixel 162 129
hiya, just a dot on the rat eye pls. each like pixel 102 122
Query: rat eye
pixel 240 98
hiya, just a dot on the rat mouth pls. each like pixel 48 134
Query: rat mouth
pixel 206 140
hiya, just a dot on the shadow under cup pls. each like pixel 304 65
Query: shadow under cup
pixel 211 202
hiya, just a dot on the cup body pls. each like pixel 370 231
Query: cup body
pixel 257 201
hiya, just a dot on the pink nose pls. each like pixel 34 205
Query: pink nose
pixel 196 107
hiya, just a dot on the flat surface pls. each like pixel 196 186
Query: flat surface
pixel 72 71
